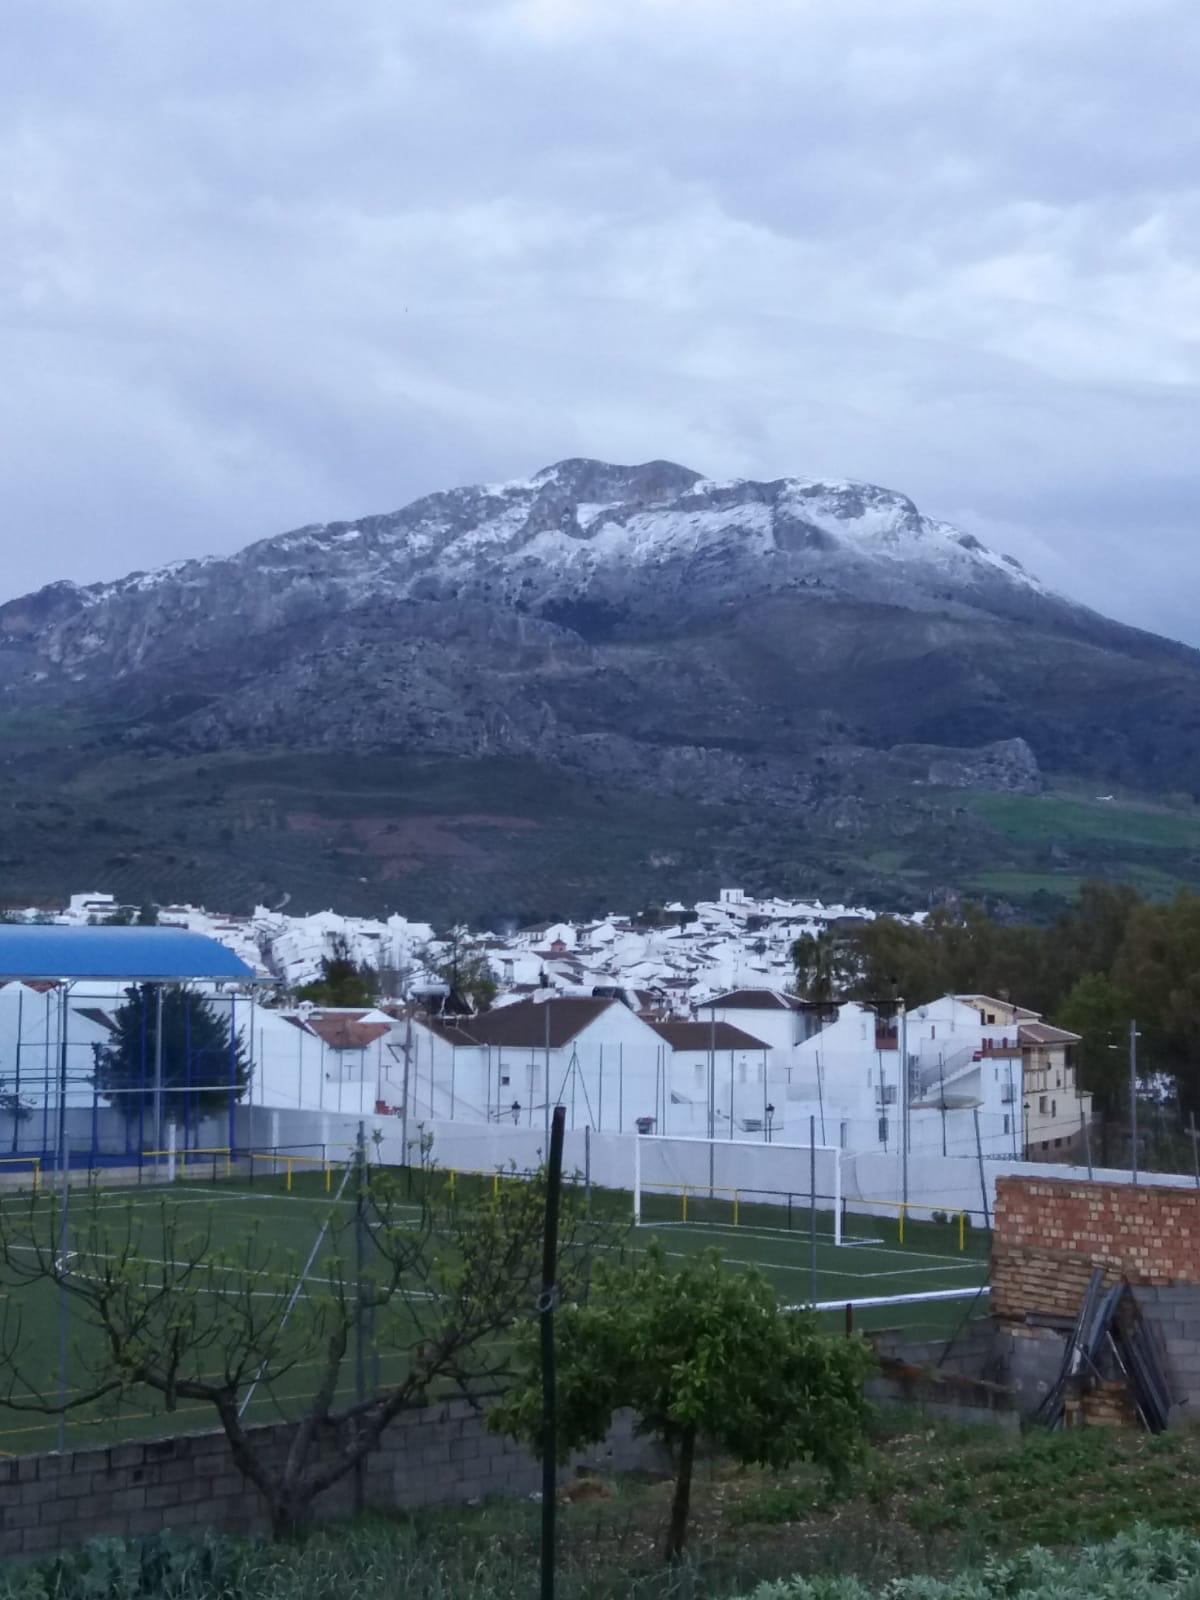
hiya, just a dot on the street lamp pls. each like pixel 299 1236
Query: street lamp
pixel 770 1119
pixel 515 1108
pixel 1025 1152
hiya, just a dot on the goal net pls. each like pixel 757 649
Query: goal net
pixel 733 1182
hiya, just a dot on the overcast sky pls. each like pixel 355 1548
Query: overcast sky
pixel 269 264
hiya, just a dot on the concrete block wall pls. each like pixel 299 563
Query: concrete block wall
pixel 1174 1314
pixel 1050 1233
pixel 438 1455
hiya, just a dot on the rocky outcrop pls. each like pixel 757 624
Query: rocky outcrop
pixel 800 643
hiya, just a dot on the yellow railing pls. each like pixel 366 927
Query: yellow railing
pixel 288 1162
pixel 182 1156
pixel 906 1211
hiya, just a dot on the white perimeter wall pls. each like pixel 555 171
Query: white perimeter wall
pixel 871 1183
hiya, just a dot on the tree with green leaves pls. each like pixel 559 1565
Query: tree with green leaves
pixel 824 967
pixel 343 981
pixel 398 1309
pixel 203 1064
pixel 698 1354
pixel 467 970
pixel 1099 1012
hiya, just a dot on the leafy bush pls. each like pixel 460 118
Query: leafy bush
pixel 1146 1564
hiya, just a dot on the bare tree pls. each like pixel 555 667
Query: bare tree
pixel 437 1285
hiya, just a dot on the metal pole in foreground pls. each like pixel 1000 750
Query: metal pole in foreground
pixel 902 1091
pixel 1133 1127
pixel 360 1327
pixel 1195 1148
pixel 812 1204
pixel 64 1244
pixel 1087 1139
pixel 987 1220
pixel 158 1073
pixel 546 1303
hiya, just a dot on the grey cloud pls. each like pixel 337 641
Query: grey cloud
pixel 269 267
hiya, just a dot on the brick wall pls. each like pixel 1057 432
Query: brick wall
pixel 1049 1234
pixel 438 1455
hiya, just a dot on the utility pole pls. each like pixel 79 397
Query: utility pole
pixel 712 1097
pixel 407 1060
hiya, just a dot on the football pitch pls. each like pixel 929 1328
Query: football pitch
pixel 284 1216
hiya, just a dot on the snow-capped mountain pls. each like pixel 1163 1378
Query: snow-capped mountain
pixel 622 543
pixel 812 645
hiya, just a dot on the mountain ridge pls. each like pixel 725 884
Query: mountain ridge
pixel 804 646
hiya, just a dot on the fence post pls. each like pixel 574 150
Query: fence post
pixel 172 1136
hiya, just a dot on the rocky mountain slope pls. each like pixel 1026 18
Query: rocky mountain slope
pixel 821 647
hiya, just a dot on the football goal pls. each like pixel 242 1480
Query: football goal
pixel 735 1183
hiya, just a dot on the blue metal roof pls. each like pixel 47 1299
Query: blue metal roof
pixel 122 954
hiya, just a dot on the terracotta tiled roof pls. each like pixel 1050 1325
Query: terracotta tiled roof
pixel 1043 1033
pixel 703 1036
pixel 750 1000
pixel 450 1033
pixel 345 1030
pixel 531 1022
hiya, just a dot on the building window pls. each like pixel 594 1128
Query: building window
pixel 1054 1108
pixel 844 1135
pixel 1007 1129
pixel 699 1072
pixel 1042 1104
pixel 883 1130
pixel 990 1016
pixel 1058 1144
pixel 503 1076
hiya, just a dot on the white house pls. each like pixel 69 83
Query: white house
pixel 779 1020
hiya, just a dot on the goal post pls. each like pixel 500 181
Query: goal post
pixel 737 1182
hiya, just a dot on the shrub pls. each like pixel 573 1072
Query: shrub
pixel 1145 1564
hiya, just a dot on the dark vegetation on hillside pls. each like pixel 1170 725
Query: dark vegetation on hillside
pixel 1110 958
